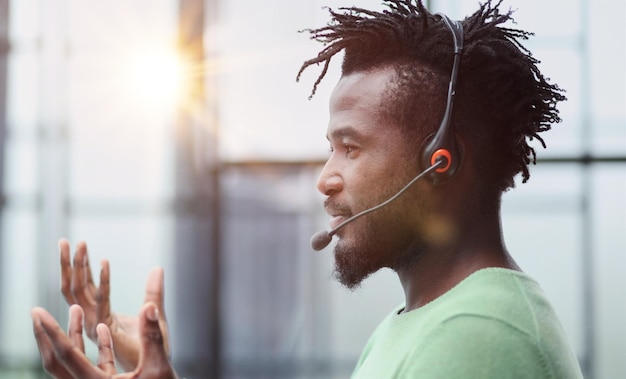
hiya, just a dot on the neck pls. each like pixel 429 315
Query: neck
pixel 477 243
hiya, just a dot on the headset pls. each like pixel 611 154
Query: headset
pixel 440 157
pixel 442 145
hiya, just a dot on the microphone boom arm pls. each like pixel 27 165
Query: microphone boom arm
pixel 322 238
pixel 392 198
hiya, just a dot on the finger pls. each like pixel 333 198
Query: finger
pixel 153 359
pixel 75 327
pixel 106 358
pixel 154 288
pixel 80 290
pixel 66 354
pixel 91 287
pixel 155 294
pixel 103 305
pixel 48 359
pixel 66 271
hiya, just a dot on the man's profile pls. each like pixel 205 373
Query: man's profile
pixel 421 92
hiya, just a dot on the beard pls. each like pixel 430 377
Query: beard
pixel 381 239
pixel 351 267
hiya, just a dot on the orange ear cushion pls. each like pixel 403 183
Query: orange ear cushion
pixel 442 153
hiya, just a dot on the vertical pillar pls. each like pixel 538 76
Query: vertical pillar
pixel 52 132
pixel 197 234
pixel 586 236
pixel 4 57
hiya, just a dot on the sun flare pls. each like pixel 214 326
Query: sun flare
pixel 157 78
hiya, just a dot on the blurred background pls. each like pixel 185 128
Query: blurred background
pixel 172 133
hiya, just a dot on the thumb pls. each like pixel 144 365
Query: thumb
pixel 154 293
pixel 154 287
pixel 153 359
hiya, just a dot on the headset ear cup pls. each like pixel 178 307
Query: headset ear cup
pixel 443 148
pixel 443 155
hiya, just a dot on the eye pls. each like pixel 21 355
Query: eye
pixel 350 150
pixel 344 148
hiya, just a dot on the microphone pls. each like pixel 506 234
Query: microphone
pixel 322 238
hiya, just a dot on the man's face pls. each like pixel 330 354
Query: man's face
pixel 370 161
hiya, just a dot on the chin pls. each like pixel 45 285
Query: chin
pixel 353 264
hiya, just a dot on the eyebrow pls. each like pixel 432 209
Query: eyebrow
pixel 347 131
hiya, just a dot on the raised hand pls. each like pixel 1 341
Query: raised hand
pixel 78 287
pixel 63 355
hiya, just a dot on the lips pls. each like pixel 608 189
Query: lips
pixel 338 212
pixel 336 220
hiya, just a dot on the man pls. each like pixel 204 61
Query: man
pixel 430 119
pixel 421 92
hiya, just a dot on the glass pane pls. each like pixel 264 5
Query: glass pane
pixel 20 282
pixel 548 19
pixel 23 92
pixel 120 162
pixel 607 77
pixel 121 142
pixel 608 249
pixel 24 21
pixel 21 167
pixel 133 244
pixel 264 113
pixel 563 66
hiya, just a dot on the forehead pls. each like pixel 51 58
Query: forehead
pixel 357 99
pixel 362 89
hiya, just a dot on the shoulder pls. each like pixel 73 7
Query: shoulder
pixel 496 324
pixel 497 294
pixel 480 346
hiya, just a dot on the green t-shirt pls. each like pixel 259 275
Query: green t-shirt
pixel 497 323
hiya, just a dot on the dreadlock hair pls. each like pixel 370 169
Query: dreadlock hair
pixel 502 101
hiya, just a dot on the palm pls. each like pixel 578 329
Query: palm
pixel 63 356
pixel 125 336
pixel 78 287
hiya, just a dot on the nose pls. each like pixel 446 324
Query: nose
pixel 329 181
